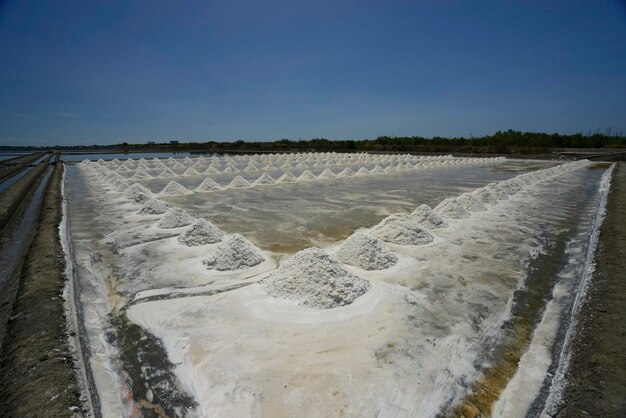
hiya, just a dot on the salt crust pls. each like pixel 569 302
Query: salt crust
pixel 317 279
pixel 403 230
pixel 202 232
pixel 175 218
pixel 367 252
pixel 233 254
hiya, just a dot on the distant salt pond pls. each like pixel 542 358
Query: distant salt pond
pixel 413 345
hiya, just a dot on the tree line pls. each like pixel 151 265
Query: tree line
pixel 502 142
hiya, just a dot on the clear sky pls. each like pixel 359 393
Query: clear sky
pixel 84 72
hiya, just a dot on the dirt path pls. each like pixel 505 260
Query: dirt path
pixel 37 376
pixel 596 381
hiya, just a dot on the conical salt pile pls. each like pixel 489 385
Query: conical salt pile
pixel 346 172
pixel 316 279
pixel 211 170
pixel 451 208
pixel 287 178
pixel 425 216
pixel 327 174
pixel 175 218
pixel 202 232
pixel 471 203
pixel 191 172
pixel 138 193
pixel 168 172
pixel 264 179
pixel 306 176
pixel 153 207
pixel 362 172
pixel 239 182
pixel 401 229
pixel 173 189
pixel 365 251
pixel 230 169
pixel 208 185
pixel 233 254
pixel 141 174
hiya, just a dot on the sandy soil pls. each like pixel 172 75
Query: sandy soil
pixel 597 376
pixel 37 376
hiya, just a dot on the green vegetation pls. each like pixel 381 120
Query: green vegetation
pixel 508 142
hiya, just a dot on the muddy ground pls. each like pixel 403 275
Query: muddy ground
pixel 596 381
pixel 37 376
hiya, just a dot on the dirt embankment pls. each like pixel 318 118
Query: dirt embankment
pixel 14 165
pixel 596 380
pixel 37 376
pixel 13 196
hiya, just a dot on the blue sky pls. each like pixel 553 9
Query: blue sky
pixel 84 72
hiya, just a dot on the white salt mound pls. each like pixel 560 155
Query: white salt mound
pixel 366 251
pixel 141 174
pixel 211 170
pixel 496 191
pixel 401 229
pixel 362 172
pixel 264 179
pixel 191 172
pixel 168 173
pixel 451 208
pixel 484 195
pixel 471 203
pixel 208 185
pixel 202 232
pixel 327 174
pixel 317 279
pixel 138 193
pixel 153 207
pixel 287 178
pixel 425 216
pixel 230 169
pixel 346 172
pixel 239 182
pixel 175 218
pixel 306 176
pixel 173 188
pixel 234 254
